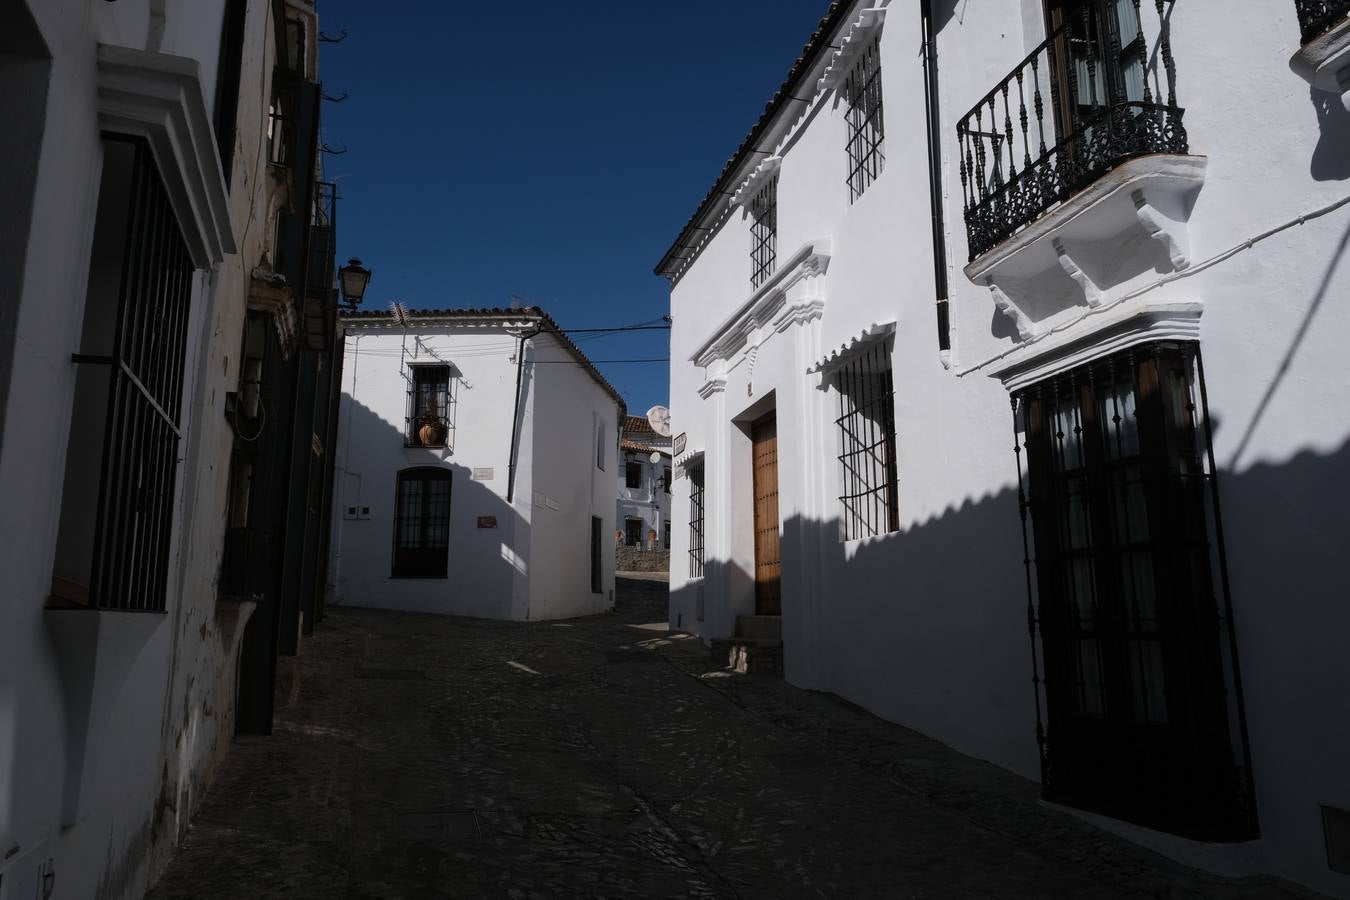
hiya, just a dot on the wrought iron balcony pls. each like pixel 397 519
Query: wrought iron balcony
pixel 1101 89
pixel 1317 17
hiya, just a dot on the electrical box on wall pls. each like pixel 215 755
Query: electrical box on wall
pixel 356 512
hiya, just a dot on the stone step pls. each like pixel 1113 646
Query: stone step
pixel 749 656
pixel 763 627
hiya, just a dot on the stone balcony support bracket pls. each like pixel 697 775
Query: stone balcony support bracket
pixel 1324 62
pixel 1087 252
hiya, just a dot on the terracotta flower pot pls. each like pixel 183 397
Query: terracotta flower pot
pixel 431 434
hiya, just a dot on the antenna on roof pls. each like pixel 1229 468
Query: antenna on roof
pixel 659 418
pixel 399 312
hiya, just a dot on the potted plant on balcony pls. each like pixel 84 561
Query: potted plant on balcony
pixel 431 430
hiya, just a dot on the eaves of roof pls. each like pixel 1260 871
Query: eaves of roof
pixel 819 42
pixel 492 315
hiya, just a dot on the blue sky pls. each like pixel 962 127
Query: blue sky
pixel 544 150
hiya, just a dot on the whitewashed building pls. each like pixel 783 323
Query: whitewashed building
pixel 642 518
pixel 1026 403
pixel 147 204
pixel 475 467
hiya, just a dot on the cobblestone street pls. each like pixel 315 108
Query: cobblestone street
pixel 436 757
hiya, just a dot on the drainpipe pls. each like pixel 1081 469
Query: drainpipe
pixel 515 413
pixel 933 122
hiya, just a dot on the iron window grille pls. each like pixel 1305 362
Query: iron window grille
pixel 665 537
pixel 867 452
pixel 135 512
pixel 422 523
pixel 764 233
pixel 866 127
pixel 632 475
pixel 1099 67
pixel 428 422
pixel 1134 655
pixel 632 532
pixel 665 479
pixel 1317 17
pixel 696 512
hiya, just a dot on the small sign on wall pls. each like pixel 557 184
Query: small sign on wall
pixel 681 440
pixel 487 521
pixel 483 474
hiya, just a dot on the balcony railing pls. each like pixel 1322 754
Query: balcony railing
pixel 1317 17
pixel 1099 90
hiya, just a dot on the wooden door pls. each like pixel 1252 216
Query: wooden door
pixel 768 565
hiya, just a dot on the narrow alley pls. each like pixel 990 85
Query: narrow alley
pixel 423 756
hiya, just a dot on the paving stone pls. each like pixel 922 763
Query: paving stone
pixel 430 757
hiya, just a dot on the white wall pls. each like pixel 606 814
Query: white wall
pixel 927 626
pixel 488 568
pixel 174 713
pixel 569 489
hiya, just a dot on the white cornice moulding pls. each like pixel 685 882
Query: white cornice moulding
pixel 792 295
pixel 767 168
pixel 159 97
pixel 1124 326
pixel 854 40
pixel 851 349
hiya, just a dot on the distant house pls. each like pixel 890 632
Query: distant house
pixel 477 446
pixel 643 514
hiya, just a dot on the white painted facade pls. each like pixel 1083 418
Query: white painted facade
pixel 1239 245
pixel 112 723
pixel 516 551
pixel 649 501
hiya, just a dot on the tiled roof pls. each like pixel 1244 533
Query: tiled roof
pixel 814 47
pixel 642 448
pixel 533 313
pixel 638 425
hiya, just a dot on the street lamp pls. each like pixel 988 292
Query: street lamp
pixel 354 277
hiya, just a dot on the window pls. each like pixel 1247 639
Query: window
pixel 227 82
pixel 764 233
pixel 665 538
pixel 866 133
pixel 597 545
pixel 118 512
pixel 632 532
pixel 665 479
pixel 428 422
pixel 1139 671
pixel 696 522
pixel 867 457
pixel 632 475
pixel 422 523
pixel 600 445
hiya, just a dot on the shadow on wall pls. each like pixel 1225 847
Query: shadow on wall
pixel 482 563
pixel 924 626
pixel 1330 162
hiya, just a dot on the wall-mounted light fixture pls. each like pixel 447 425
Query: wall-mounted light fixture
pixel 354 277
